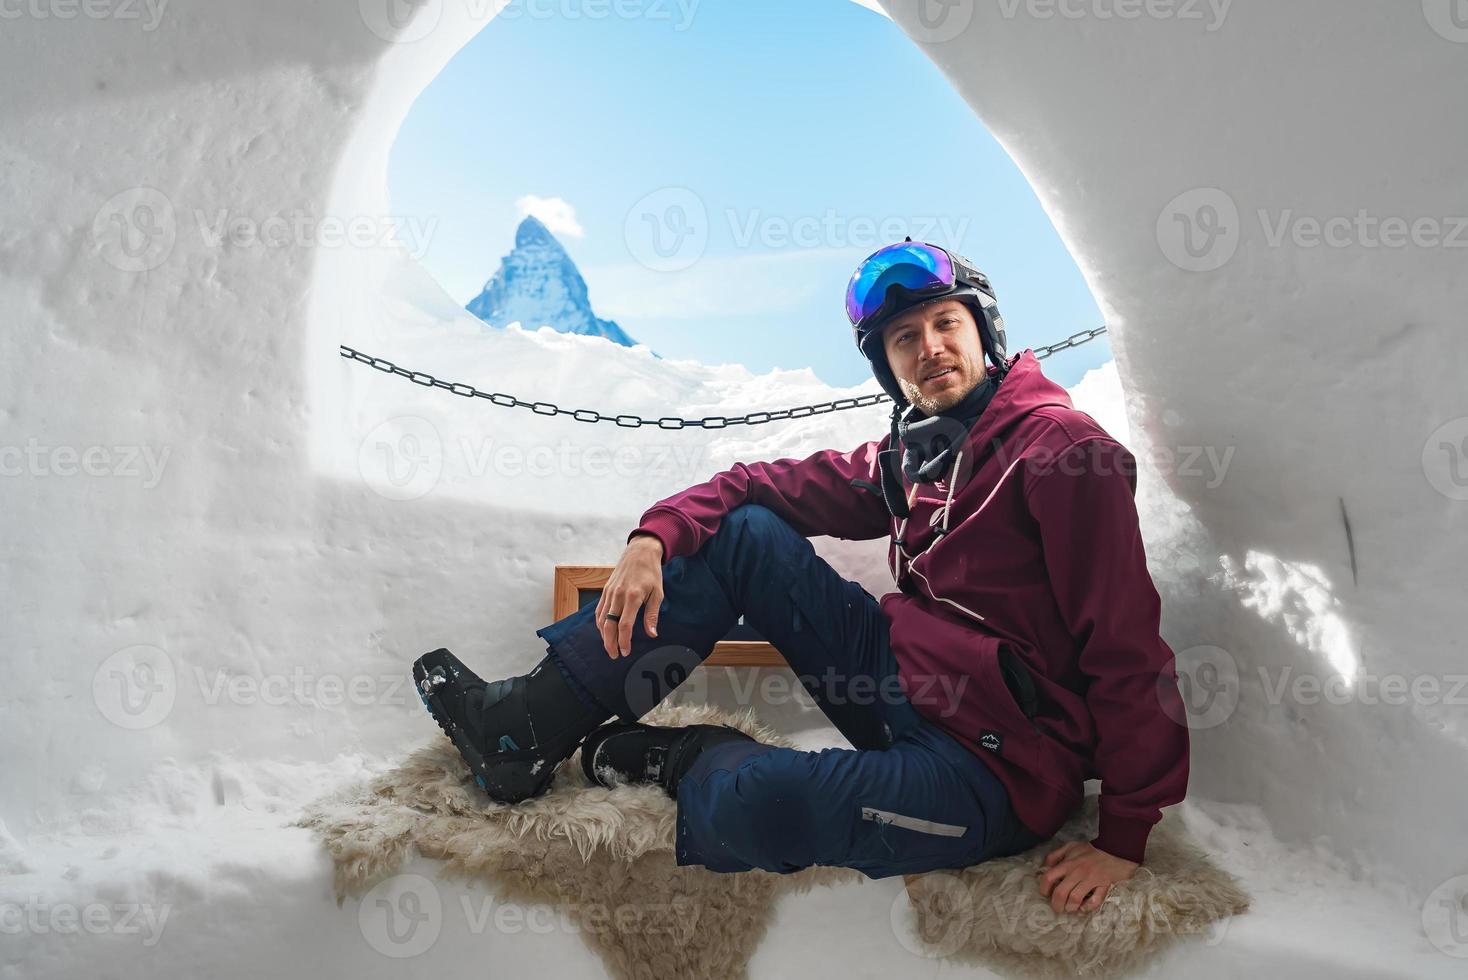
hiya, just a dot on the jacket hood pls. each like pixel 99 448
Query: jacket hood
pixel 1024 391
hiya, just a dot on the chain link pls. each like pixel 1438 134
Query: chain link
pixel 465 390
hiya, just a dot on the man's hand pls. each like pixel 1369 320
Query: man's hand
pixel 1077 869
pixel 637 579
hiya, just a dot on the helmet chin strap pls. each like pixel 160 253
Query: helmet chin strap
pixel 889 461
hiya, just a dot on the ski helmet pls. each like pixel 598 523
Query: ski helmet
pixel 901 277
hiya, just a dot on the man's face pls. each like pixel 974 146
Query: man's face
pixel 939 338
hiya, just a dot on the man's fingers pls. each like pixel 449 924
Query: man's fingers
pixel 624 626
pixel 1078 895
pixel 1098 896
pixel 650 622
pixel 1061 894
pixel 605 627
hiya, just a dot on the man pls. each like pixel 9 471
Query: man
pixel 1019 656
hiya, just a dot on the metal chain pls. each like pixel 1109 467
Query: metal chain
pixel 666 422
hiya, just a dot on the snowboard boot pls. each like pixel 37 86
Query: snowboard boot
pixel 635 753
pixel 512 733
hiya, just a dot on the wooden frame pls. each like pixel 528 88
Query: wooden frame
pixel 571 580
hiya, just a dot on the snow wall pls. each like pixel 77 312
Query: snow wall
pixel 211 522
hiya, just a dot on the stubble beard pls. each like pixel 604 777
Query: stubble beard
pixel 948 397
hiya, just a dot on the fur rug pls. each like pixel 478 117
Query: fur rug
pixel 993 915
pixel 604 858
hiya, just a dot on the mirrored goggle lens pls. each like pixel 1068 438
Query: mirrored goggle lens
pixel 910 264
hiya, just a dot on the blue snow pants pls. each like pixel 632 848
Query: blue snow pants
pixel 908 798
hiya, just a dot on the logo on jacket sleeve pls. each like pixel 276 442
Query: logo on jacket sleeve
pixel 991 740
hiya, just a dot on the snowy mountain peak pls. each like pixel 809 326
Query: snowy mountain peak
pixel 532 233
pixel 538 285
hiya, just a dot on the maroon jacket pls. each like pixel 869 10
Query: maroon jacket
pixel 1042 561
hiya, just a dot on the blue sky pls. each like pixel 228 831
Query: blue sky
pixel 769 146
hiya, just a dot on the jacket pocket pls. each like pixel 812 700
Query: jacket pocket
pixel 999 725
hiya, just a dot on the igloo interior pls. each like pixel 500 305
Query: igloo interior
pixel 1330 372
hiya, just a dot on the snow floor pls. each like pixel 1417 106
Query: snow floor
pixel 201 875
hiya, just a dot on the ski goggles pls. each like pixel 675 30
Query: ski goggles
pixel 916 266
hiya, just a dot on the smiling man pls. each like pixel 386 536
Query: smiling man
pixel 1018 657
